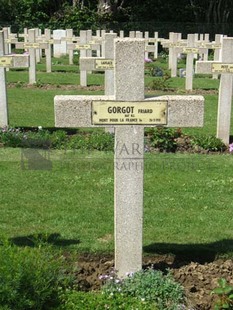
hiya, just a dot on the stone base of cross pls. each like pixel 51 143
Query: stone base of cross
pixel 129 112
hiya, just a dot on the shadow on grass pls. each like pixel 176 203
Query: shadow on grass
pixel 186 253
pixel 36 239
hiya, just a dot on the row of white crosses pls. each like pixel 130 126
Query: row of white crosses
pixel 7 61
pixel 86 43
pixel 129 112
pixel 192 47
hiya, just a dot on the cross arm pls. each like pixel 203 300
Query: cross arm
pixel 204 67
pixel 14 61
pixel 95 63
pixel 76 111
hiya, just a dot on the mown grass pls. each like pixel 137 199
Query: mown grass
pixel 187 198
pixel 34 107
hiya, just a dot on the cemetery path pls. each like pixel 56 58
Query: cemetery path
pixel 198 278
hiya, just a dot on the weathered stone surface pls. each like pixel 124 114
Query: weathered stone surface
pixel 75 111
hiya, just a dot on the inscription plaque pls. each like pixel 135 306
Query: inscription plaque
pixel 129 113
pixel 31 45
pixel 6 62
pixel 222 68
pixel 189 50
pixel 104 64
pixel 83 47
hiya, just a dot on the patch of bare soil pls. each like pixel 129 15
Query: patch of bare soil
pixel 198 278
pixel 52 86
pixel 101 87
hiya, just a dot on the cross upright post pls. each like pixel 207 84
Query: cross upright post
pixel 7 61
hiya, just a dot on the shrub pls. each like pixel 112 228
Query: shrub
pixel 210 143
pixel 149 286
pixel 164 139
pixel 57 140
pixel 11 137
pixel 30 278
pixel 159 83
pixel 224 291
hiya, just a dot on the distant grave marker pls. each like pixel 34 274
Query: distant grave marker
pixel 225 69
pixel 7 61
pixel 31 45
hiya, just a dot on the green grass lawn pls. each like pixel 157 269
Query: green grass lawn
pixel 187 197
pixel 34 107
pixel 187 200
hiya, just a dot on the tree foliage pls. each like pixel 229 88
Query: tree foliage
pixel 92 13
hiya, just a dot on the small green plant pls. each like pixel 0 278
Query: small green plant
pixel 31 278
pixel 164 139
pixel 210 143
pixel 15 137
pixel 19 84
pixel 11 137
pixel 97 141
pixel 163 56
pixel 225 295
pixel 149 286
pixel 75 300
pixel 38 83
pixel 160 83
pixel 156 71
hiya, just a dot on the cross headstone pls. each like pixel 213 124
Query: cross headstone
pixel 38 50
pixel 46 39
pixel 85 49
pixel 59 49
pixel 104 63
pixel 217 50
pixel 174 44
pixel 190 51
pixel 7 61
pixel 9 38
pixel 24 35
pixel 225 69
pixel 151 48
pixel 204 40
pixel 32 46
pixel 129 112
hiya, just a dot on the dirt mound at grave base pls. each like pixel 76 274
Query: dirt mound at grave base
pixel 198 279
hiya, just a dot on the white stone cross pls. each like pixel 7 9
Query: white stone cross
pixel 7 61
pixel 129 112
pixel 46 38
pixel 105 63
pixel 9 38
pixel 59 49
pixel 85 49
pixel 217 46
pixel 175 45
pixel 151 48
pixel 225 69
pixel 32 45
pixel 190 51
